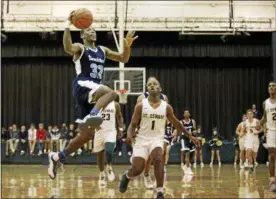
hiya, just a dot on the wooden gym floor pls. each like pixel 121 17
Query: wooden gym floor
pixel 81 181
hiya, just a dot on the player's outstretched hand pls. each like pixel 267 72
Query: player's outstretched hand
pixel 130 38
pixel 71 15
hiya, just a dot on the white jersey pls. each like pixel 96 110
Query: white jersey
pixel 153 121
pixel 270 110
pixel 250 127
pixel 109 118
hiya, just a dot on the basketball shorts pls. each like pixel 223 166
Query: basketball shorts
pixel 256 144
pixel 83 89
pixel 241 143
pixel 271 139
pixel 249 142
pixel 168 140
pixel 101 137
pixel 143 148
pixel 187 145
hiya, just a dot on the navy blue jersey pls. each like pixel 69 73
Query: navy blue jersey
pixel 188 125
pixel 91 64
pixel 162 97
pixel 169 131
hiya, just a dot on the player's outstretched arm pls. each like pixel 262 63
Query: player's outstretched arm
pixel 120 119
pixel 68 45
pixel 134 122
pixel 176 123
pixel 122 57
pixel 259 127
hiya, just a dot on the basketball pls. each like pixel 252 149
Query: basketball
pixel 82 18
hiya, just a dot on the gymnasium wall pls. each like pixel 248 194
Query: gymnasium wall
pixel 145 15
pixel 217 81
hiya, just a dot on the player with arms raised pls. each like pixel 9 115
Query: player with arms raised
pixel 152 114
pixel 87 88
pixel 269 119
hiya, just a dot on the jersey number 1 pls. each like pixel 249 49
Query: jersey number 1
pixel 152 125
pixel 97 71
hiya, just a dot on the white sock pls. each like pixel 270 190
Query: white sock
pixel 56 157
pixel 102 173
pixel 160 189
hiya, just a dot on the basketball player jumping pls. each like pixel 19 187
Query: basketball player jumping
pixel 269 118
pixel 251 129
pixel 147 178
pixel 89 64
pixel 152 114
pixel 241 141
pixel 105 140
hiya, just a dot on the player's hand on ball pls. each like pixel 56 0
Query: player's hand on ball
pixel 71 15
pixel 130 38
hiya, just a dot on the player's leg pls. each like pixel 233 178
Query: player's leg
pixel 236 156
pixel 201 156
pixel 102 95
pixel 189 147
pixel 195 157
pixel 139 156
pixel 147 178
pixel 167 148
pixel 242 152
pixel 99 149
pixel 218 156
pixel 109 149
pixel 271 146
pixel 271 166
pixel 182 153
pixel 255 150
pixel 212 156
pixel 158 164
pixel 137 167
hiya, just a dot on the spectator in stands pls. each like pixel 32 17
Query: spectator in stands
pixel 3 133
pixel 63 134
pixel 70 135
pixel 257 114
pixel 47 145
pixel 23 139
pixel 40 137
pixel 32 138
pixel 14 138
pixel 55 135
pixel 8 140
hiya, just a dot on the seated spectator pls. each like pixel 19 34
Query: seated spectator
pixel 40 138
pixel 14 138
pixel 71 135
pixel 47 145
pixel 62 139
pixel 8 140
pixel 23 139
pixel 3 134
pixel 32 138
pixel 55 135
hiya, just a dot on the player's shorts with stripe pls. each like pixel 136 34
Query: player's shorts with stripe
pixel 187 145
pixel 82 88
